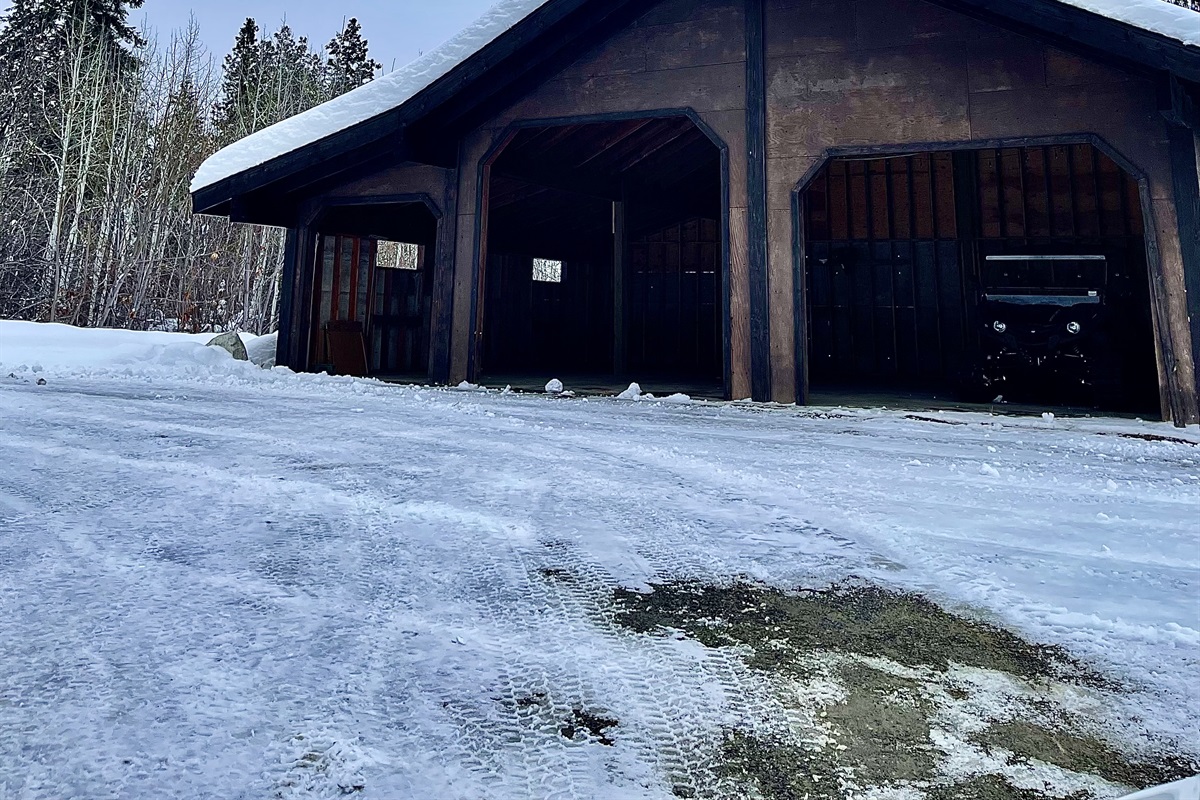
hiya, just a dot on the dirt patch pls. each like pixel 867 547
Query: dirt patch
pixel 869 621
pixel 778 770
pixel 1154 437
pixel 992 787
pixel 918 418
pixel 1083 754
pixel 883 724
pixel 911 683
pixel 585 724
pixel 556 574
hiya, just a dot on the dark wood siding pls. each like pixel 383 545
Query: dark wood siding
pixel 908 75
pixel 541 326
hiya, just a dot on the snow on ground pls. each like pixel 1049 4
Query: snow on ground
pixel 80 351
pixel 223 581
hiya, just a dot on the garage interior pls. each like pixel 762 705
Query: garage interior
pixel 942 278
pixel 374 283
pixel 604 259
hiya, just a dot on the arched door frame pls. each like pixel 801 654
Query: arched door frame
pixel 1165 356
pixel 482 203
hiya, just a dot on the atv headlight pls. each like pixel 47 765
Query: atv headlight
pixel 1074 328
pixel 999 327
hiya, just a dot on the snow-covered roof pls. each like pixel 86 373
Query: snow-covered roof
pixel 397 88
pixel 1156 16
pixel 361 104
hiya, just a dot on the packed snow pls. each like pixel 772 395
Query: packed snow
pixel 222 580
pixel 397 88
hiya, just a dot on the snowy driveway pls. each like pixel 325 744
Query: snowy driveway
pixel 275 586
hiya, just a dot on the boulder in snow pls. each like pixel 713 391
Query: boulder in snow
pixel 555 386
pixel 231 343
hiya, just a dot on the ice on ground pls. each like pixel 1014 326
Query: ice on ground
pixel 218 580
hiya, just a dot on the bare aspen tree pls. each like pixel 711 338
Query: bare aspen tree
pixel 101 130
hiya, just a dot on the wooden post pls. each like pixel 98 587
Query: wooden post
pixel 300 288
pixel 620 249
pixel 287 295
pixel 756 212
pixel 444 255
pixel 1187 211
pixel 475 364
pixel 800 299
pixel 966 220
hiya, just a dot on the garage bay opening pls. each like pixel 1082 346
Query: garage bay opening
pixel 374 285
pixel 603 259
pixel 1016 275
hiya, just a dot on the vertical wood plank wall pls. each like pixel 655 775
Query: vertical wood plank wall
pixel 862 73
pixel 674 301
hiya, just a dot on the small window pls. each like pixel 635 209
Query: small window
pixel 547 271
pixel 397 255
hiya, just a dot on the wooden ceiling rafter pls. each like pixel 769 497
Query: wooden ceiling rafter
pixel 629 158
pixel 631 129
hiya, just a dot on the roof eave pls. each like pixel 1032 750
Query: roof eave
pixel 1068 26
pixel 209 199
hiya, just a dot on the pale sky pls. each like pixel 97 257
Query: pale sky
pixel 398 30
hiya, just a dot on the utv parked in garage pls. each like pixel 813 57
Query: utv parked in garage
pixel 1045 331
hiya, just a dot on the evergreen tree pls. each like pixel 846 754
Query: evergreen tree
pixel 39 37
pixel 37 31
pixel 266 80
pixel 293 72
pixel 241 74
pixel 349 65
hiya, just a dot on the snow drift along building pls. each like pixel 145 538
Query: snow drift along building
pixel 756 198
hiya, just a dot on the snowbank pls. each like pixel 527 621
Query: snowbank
pixel 397 88
pixel 64 350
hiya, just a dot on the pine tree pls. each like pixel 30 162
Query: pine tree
pixel 293 72
pixel 37 37
pixel 266 80
pixel 38 30
pixel 349 65
pixel 242 72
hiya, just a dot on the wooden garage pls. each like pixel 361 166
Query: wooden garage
pixel 786 200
